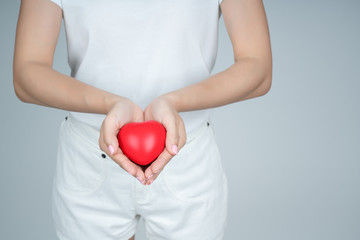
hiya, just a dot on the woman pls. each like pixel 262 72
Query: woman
pixel 134 61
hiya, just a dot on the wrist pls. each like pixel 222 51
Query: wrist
pixel 173 100
pixel 111 100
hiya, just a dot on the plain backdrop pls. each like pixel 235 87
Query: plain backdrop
pixel 291 156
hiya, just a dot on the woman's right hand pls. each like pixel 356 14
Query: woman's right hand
pixel 122 112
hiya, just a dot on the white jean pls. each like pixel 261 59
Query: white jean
pixel 95 199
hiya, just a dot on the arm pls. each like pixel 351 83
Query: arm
pixel 36 82
pixel 251 74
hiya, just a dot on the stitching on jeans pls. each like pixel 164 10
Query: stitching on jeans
pixel 103 170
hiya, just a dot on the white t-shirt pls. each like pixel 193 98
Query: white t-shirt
pixel 141 49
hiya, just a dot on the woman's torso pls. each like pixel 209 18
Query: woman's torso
pixel 141 49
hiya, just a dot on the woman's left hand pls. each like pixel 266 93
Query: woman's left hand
pixel 163 111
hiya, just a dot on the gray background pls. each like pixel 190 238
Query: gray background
pixel 291 156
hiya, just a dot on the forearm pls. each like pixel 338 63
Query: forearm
pixel 246 78
pixel 38 83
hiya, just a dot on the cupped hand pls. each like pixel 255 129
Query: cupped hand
pixel 122 112
pixel 162 110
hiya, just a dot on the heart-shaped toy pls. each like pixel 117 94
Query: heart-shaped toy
pixel 142 142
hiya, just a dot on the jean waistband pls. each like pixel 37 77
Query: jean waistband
pixel 83 130
pixel 92 134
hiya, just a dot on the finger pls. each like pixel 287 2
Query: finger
pixel 152 179
pixel 130 167
pixel 182 135
pixel 102 143
pixel 124 163
pixel 110 131
pixel 158 165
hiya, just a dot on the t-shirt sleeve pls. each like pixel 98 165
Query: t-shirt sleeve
pixel 220 1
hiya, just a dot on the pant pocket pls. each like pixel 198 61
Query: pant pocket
pixel 196 173
pixel 81 168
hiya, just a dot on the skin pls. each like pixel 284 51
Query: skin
pixel 36 82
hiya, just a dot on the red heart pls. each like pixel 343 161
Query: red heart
pixel 142 142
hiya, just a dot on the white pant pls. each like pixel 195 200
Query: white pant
pixel 95 199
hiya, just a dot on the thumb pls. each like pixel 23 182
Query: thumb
pixel 172 139
pixel 110 138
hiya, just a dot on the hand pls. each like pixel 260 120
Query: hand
pixel 122 112
pixel 163 111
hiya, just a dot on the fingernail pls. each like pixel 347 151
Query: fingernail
pixel 111 149
pixel 175 149
pixel 149 176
